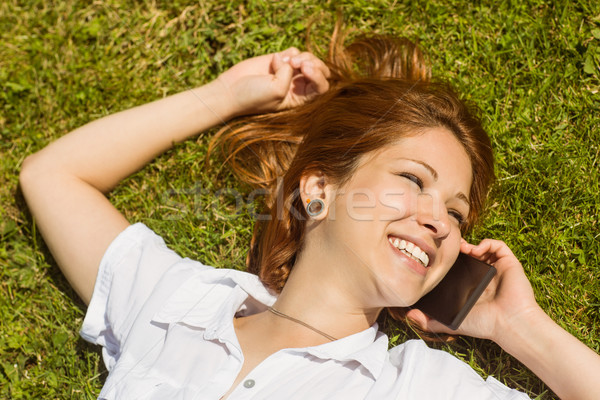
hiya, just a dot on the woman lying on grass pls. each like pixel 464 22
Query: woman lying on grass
pixel 353 154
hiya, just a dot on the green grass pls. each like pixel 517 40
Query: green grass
pixel 532 67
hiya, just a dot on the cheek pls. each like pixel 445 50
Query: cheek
pixel 380 200
pixel 452 243
pixel 396 203
pixel 368 202
pixel 451 248
pixel 359 204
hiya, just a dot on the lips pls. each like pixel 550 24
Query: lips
pixel 410 249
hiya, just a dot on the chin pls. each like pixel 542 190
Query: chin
pixel 406 299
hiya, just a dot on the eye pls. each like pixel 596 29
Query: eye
pixel 413 178
pixel 457 216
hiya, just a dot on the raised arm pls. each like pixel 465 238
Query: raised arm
pixel 508 314
pixel 66 182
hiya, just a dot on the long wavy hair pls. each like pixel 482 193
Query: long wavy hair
pixel 380 90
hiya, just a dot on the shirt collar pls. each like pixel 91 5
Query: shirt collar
pixel 204 298
pixel 368 347
pixel 211 298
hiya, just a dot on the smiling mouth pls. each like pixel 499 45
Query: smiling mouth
pixel 411 250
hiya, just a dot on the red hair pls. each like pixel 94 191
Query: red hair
pixel 380 91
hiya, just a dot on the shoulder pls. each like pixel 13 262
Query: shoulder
pixel 416 359
pixel 415 370
pixel 141 281
pixel 139 263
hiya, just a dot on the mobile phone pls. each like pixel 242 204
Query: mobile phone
pixel 452 299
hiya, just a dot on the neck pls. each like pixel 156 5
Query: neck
pixel 316 294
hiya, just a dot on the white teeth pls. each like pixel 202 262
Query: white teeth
pixel 417 252
pixel 424 259
pixel 411 250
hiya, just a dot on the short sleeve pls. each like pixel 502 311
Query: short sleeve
pixel 454 379
pixel 128 273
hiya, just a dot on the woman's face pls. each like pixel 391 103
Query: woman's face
pixel 395 226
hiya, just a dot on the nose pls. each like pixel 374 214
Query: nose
pixel 433 215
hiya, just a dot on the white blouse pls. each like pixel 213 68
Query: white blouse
pixel 166 327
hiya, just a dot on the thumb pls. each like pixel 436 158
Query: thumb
pixel 283 75
pixel 426 323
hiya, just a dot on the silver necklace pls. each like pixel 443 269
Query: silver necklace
pixel 282 315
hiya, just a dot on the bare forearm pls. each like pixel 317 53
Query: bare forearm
pixel 564 363
pixel 64 183
pixel 104 152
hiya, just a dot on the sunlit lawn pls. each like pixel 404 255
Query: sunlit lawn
pixel 531 67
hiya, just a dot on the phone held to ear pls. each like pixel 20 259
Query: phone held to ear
pixel 452 299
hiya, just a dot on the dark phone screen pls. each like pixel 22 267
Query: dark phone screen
pixel 450 301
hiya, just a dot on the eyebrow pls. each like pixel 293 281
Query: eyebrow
pixel 459 195
pixel 427 166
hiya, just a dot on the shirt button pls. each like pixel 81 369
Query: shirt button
pixel 249 383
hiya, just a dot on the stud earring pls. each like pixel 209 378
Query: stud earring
pixel 315 207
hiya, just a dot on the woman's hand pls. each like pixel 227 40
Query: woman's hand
pixel 508 314
pixel 274 82
pixel 509 295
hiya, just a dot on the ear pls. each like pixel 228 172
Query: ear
pixel 314 186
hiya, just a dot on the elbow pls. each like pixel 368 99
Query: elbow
pixel 27 172
pixel 31 174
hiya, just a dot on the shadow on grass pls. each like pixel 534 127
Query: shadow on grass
pixel 72 306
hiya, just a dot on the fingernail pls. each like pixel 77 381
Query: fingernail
pixel 286 59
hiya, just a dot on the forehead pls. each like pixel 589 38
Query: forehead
pixel 435 147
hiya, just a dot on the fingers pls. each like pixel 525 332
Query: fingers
pixel 465 247
pixel 486 246
pixel 494 252
pixel 307 58
pixel 427 324
pixel 491 246
pixel 283 75
pixel 316 76
pixel 288 53
pixel 299 59
pixel 278 62
pixel 311 67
